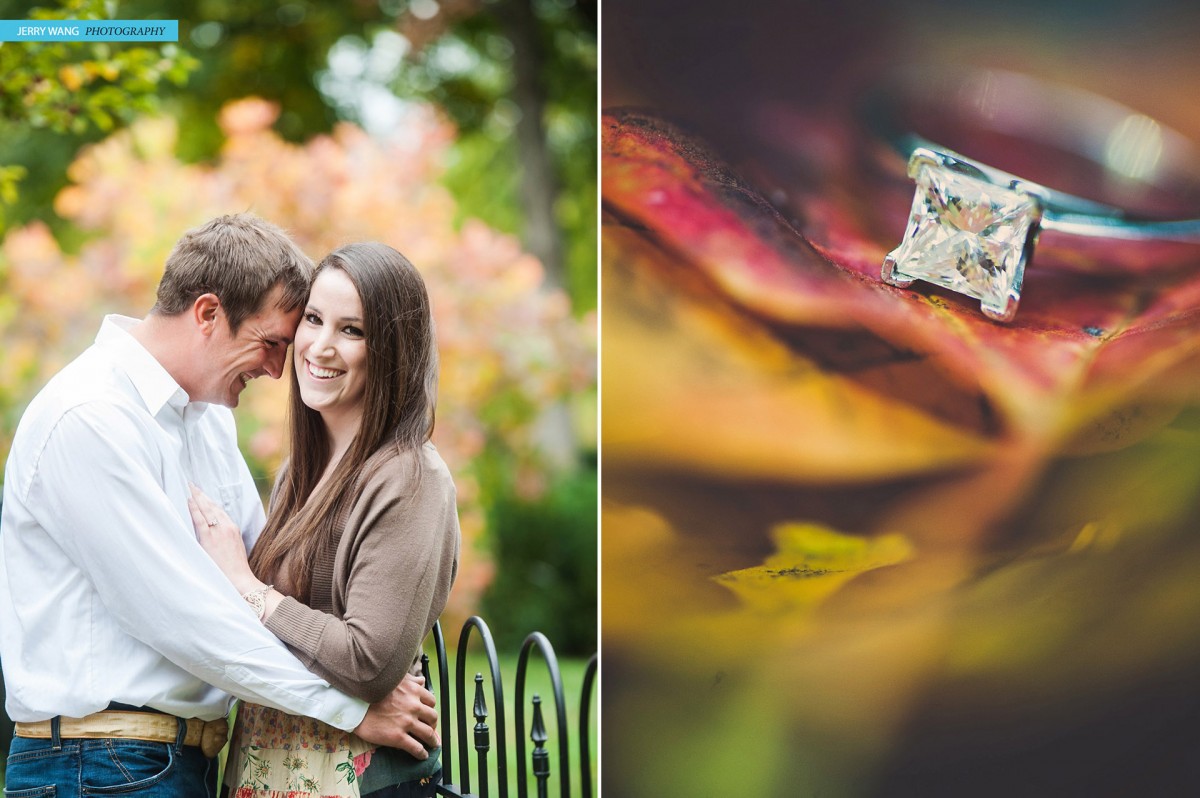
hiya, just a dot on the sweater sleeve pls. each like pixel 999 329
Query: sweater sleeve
pixel 395 564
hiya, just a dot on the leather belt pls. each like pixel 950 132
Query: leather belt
pixel 210 736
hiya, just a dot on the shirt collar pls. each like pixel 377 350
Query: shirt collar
pixel 154 384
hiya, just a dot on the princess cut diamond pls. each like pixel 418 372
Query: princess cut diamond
pixel 966 234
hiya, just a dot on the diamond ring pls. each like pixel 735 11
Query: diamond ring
pixel 213 522
pixel 973 228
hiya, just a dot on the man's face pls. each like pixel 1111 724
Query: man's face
pixel 258 348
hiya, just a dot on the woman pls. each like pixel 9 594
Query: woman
pixel 361 544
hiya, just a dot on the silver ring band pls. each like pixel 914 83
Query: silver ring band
pixel 1145 180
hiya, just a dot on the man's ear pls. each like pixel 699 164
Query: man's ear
pixel 204 313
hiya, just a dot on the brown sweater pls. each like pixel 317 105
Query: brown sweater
pixel 374 601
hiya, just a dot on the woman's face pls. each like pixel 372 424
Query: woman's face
pixel 331 349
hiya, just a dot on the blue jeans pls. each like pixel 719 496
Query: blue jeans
pixel 72 768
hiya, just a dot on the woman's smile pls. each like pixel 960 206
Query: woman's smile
pixel 322 373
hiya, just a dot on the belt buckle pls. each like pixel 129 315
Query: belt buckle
pixel 213 737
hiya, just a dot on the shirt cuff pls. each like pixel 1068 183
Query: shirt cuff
pixel 342 711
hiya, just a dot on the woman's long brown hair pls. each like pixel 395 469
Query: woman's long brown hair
pixel 398 413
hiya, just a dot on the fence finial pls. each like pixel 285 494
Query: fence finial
pixel 482 736
pixel 541 757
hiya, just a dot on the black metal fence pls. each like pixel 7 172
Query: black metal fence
pixel 493 772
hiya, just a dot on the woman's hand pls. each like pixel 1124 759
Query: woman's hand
pixel 222 540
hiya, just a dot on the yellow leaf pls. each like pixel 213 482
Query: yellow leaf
pixel 71 76
pixel 810 564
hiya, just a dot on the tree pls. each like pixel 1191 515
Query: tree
pixel 74 90
pixel 547 99
pixel 518 78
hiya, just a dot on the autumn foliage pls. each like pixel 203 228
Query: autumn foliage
pixel 509 347
pixel 864 526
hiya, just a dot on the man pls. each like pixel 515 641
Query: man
pixel 120 638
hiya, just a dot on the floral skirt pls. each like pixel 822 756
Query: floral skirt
pixel 276 755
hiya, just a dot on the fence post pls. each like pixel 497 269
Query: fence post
pixel 443 698
pixel 541 757
pixel 585 734
pixel 564 750
pixel 460 670
pixel 482 743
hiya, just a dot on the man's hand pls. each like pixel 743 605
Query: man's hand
pixel 405 719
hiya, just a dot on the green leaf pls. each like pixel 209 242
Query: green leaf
pixel 810 563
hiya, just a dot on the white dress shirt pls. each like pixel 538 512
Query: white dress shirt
pixel 105 593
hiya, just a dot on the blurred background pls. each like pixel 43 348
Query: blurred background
pixel 859 541
pixel 461 132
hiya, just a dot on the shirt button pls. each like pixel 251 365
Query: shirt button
pixel 337 718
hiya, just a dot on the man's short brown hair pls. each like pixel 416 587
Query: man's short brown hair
pixel 240 258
